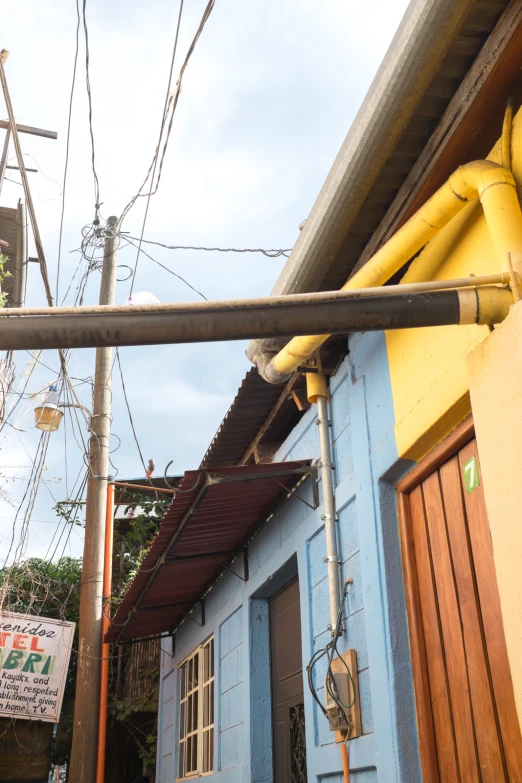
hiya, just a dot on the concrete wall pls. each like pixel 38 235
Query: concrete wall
pixel 367 467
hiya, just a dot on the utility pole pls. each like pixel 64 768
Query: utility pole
pixel 86 706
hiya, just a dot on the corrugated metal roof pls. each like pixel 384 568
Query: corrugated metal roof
pixel 209 522
pixel 247 414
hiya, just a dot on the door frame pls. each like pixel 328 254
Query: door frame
pixel 460 437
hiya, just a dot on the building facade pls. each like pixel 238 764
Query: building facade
pixel 425 444
pixel 292 546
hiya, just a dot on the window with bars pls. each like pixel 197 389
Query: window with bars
pixel 196 712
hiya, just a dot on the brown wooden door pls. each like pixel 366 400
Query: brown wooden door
pixel 289 744
pixel 468 725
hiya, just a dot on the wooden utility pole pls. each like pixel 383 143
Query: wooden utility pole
pixel 86 708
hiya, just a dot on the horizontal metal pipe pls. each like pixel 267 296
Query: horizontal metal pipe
pixel 148 487
pixel 220 321
pixel 323 296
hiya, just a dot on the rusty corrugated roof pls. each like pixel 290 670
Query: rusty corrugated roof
pixel 245 417
pixel 209 522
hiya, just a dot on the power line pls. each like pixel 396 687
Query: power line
pixel 131 420
pixel 89 96
pixel 67 145
pixel 269 253
pixel 172 103
pixel 186 282
pixel 163 120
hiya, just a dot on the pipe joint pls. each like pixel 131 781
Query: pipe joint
pixel 332 559
pixel 470 181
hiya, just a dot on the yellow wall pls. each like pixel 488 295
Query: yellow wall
pixel 495 374
pixel 428 369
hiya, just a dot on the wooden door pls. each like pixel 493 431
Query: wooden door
pixel 289 745
pixel 468 725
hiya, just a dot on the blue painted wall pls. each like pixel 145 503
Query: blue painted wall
pixel 367 467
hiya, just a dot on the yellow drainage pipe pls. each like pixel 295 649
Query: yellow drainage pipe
pixel 483 179
pixel 505 143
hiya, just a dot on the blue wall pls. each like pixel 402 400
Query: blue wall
pixel 367 468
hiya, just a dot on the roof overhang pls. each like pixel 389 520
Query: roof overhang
pixel 211 520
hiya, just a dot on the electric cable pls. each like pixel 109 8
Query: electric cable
pixel 183 280
pixel 269 253
pixel 132 422
pixel 164 117
pixel 67 143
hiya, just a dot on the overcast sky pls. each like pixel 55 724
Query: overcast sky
pixel 270 92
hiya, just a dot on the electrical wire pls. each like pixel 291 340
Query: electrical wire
pixel 132 422
pixel 183 280
pixel 163 120
pixel 330 682
pixel 268 253
pixel 67 143
pixel 89 98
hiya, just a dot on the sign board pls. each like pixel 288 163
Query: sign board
pixel 471 475
pixel 34 658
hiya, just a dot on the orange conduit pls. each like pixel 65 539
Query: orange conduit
pixel 346 768
pixel 105 649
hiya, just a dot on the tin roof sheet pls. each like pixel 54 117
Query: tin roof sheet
pixel 209 522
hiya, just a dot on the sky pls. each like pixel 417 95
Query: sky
pixel 269 95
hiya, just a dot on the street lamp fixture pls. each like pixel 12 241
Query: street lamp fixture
pixel 48 415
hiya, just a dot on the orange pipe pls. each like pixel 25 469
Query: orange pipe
pixel 346 768
pixel 104 672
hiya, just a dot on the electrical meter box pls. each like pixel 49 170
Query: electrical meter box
pixel 341 693
pixel 339 698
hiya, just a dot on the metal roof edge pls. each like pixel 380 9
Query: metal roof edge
pixel 418 48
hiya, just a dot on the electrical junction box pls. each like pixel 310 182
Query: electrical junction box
pixel 338 709
pixel 343 719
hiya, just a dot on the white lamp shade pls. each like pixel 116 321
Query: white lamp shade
pixel 47 417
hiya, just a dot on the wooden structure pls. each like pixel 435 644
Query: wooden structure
pixel 468 726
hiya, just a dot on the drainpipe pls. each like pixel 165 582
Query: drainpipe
pixel 317 391
pixel 105 647
pixel 483 179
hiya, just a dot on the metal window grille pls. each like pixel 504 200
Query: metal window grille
pixel 196 715
pixel 297 744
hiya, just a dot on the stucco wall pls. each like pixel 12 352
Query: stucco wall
pixel 496 388
pixel 237 613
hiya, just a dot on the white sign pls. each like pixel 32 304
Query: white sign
pixel 34 658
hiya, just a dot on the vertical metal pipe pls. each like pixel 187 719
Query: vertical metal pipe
pixel 104 674
pixel 329 515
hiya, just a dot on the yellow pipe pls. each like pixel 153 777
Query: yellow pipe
pixel 506 135
pixel 316 386
pixel 486 180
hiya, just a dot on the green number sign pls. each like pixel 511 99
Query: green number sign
pixel 471 475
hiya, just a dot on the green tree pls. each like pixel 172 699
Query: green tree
pixel 3 275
